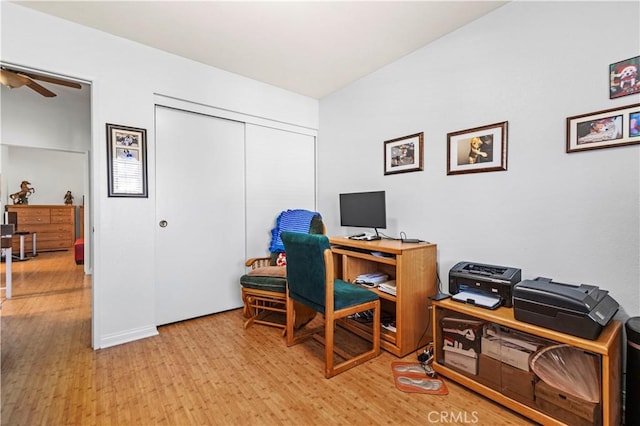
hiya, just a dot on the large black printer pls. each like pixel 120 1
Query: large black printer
pixel 581 311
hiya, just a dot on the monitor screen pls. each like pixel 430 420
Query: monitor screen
pixel 363 209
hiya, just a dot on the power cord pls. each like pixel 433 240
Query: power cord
pixel 426 357
pixel 424 333
pixel 404 239
pixel 386 237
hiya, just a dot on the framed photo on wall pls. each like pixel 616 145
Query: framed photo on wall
pixel 127 161
pixel 403 154
pixel 481 149
pixel 604 129
pixel 623 78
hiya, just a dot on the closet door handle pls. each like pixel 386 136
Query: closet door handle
pixel 163 223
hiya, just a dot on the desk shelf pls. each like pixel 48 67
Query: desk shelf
pixel 413 266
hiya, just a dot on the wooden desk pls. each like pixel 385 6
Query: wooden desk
pixel 413 266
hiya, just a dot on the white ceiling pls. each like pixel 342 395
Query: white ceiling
pixel 311 48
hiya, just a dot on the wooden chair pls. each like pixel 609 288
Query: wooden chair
pixel 264 289
pixel 310 281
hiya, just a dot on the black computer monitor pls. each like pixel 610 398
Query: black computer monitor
pixel 363 210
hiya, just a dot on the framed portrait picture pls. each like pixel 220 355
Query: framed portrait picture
pixel 403 154
pixel 127 161
pixel 623 78
pixel 604 129
pixel 481 149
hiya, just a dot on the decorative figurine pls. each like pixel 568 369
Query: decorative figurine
pixel 68 198
pixel 22 196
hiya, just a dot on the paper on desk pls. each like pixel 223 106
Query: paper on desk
pixel 478 299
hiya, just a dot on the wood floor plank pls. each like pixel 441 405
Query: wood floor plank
pixel 206 371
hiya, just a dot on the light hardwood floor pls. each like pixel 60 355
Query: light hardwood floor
pixel 203 371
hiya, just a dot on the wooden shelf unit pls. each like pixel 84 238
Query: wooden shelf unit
pixel 607 347
pixel 53 224
pixel 413 266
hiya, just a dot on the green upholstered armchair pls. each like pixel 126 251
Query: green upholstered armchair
pixel 264 288
pixel 310 281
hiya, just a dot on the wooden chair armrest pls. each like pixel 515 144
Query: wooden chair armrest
pixel 258 262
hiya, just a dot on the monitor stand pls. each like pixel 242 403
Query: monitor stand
pixel 366 237
pixel 374 237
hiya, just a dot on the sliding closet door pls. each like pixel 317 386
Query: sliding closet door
pixel 200 214
pixel 280 175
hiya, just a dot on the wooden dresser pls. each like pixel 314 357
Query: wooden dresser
pixel 54 225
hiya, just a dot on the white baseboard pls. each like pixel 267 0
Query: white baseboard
pixel 127 336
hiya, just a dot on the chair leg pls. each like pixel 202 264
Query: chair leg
pixel 290 320
pixel 246 311
pixel 329 340
pixel 376 329
pixel 333 370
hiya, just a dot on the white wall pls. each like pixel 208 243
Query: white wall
pixel 570 217
pixel 124 77
pixel 51 173
pixel 45 141
pixel 62 122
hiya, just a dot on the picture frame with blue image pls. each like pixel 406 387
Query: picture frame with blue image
pixel 604 129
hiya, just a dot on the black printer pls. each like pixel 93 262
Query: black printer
pixel 581 311
pixel 489 279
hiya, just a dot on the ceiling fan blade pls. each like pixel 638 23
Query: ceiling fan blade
pixel 43 91
pixel 11 79
pixel 52 80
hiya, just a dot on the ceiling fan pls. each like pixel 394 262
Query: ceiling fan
pixel 15 79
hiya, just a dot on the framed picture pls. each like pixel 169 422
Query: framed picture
pixel 403 154
pixel 604 129
pixel 623 78
pixel 481 149
pixel 127 161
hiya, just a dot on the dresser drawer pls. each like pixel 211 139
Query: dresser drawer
pixel 52 236
pixel 61 219
pixel 29 211
pixel 42 228
pixel 59 211
pixel 53 245
pixel 28 219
